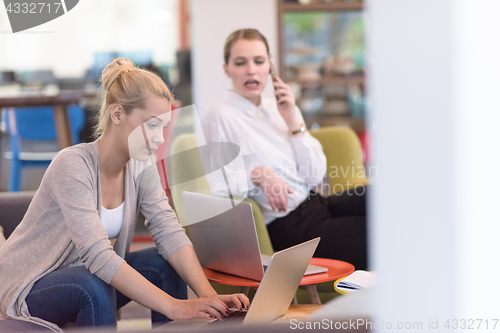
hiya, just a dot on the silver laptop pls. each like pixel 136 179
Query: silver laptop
pixel 277 288
pixel 226 239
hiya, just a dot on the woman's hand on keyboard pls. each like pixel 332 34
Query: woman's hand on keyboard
pixel 239 301
pixel 208 308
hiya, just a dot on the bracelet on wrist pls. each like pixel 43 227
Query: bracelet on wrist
pixel 302 129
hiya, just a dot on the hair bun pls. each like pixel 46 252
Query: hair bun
pixel 116 68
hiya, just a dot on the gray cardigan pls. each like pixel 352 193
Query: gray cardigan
pixel 62 227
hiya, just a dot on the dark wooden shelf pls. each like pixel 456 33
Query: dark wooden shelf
pixel 344 80
pixel 321 118
pixel 287 7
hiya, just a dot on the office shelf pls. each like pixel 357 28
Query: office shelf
pixel 337 6
pixel 355 79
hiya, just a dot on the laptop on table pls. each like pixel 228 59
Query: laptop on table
pixel 277 289
pixel 224 237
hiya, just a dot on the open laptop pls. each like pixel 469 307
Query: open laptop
pixel 226 239
pixel 277 288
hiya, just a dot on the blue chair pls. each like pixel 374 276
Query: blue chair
pixel 35 124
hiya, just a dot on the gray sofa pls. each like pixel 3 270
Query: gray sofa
pixel 13 205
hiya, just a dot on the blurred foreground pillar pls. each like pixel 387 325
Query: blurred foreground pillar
pixel 435 223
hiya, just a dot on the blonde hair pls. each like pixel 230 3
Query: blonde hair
pixel 249 34
pixel 128 86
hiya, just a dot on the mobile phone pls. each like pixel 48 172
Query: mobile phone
pixel 272 71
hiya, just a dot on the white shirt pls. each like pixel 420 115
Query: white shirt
pixel 112 220
pixel 264 140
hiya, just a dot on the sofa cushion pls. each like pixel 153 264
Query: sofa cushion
pixel 13 206
pixel 18 326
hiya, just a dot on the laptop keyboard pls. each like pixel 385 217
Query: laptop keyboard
pixel 233 318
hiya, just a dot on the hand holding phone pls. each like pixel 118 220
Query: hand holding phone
pixel 286 102
pixel 272 71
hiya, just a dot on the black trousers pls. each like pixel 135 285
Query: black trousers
pixel 340 221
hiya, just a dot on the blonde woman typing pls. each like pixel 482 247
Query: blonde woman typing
pixel 69 258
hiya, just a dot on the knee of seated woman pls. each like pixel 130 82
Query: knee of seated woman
pixel 91 287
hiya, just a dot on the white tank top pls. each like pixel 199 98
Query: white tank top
pixel 112 220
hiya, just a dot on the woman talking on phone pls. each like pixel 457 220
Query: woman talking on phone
pixel 69 259
pixel 283 161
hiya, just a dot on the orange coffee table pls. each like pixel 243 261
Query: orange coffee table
pixel 336 270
